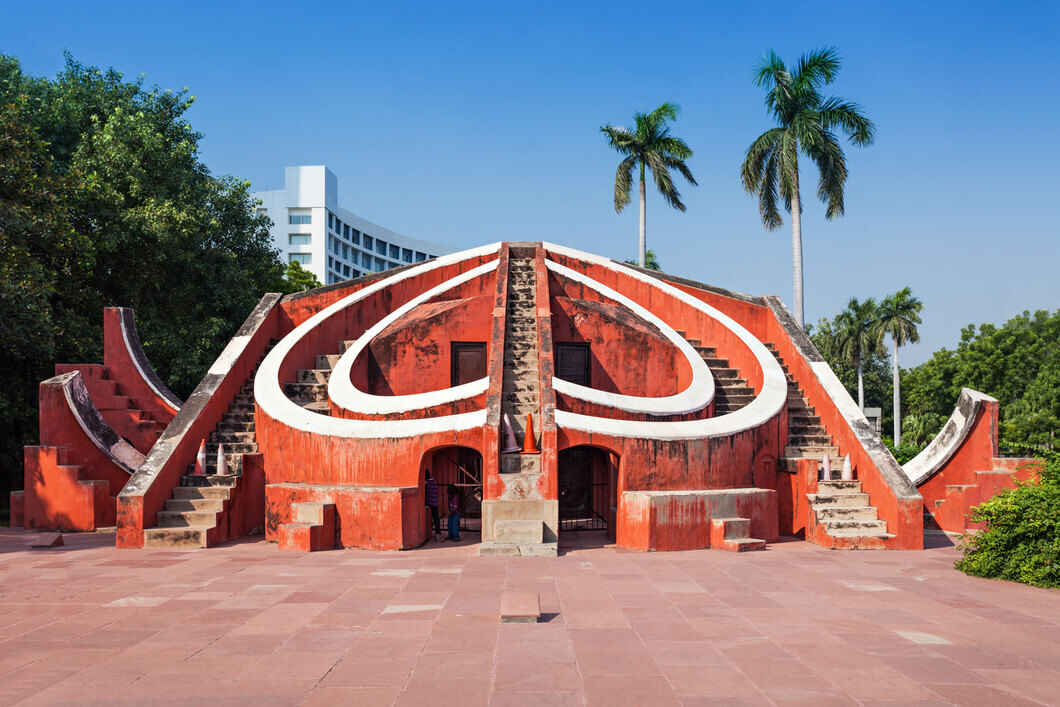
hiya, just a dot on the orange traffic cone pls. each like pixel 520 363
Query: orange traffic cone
pixel 529 443
pixel 200 460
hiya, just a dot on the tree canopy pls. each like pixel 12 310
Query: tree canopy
pixel 1018 363
pixel 104 200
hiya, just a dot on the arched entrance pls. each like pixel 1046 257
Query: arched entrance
pixel 458 470
pixel 587 480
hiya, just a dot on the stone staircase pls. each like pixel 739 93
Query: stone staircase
pixel 521 393
pixel 839 509
pixel 842 510
pixel 521 396
pixel 313 528
pixel 310 388
pixel 733 535
pixel 730 391
pixel 138 427
pixel 807 437
pixel 193 516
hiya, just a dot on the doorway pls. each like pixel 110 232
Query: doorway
pixel 459 470
pixel 587 481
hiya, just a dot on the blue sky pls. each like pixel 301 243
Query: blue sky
pixel 468 123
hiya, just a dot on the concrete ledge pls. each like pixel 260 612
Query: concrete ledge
pixel 681 520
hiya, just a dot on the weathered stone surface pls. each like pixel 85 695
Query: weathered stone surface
pixel 520 607
pixel 520 532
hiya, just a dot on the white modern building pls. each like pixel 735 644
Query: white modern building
pixel 309 226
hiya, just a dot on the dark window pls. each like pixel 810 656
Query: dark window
pixel 356 237
pixel 331 220
pixel 380 247
pixel 346 231
pixel 572 363
pixel 469 361
pixel 395 252
pixel 406 255
pixel 367 242
pixel 420 257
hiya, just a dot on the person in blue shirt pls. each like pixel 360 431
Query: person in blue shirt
pixel 431 493
pixel 454 512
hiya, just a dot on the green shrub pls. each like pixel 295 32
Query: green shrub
pixel 1021 537
pixel 904 452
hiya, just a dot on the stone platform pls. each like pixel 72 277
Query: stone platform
pixel 244 623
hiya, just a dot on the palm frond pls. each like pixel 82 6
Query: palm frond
pixel 817 68
pixel 663 181
pixel 832 167
pixel 751 171
pixel 624 182
pixel 680 166
pixel 620 139
pixel 767 192
pixel 836 113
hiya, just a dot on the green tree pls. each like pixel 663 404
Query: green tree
pixel 875 365
pixel 108 203
pixel 650 145
pixel 298 279
pixel 806 121
pixel 1018 363
pixel 898 316
pixel 650 261
pixel 856 337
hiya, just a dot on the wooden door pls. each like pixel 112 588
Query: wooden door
pixel 572 362
pixel 469 361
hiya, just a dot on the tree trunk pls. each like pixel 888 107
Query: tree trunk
pixel 861 388
pixel 897 401
pixel 796 248
pixel 643 246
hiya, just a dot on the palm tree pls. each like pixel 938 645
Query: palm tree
pixel 808 121
pixel 649 144
pixel 856 337
pixel 898 316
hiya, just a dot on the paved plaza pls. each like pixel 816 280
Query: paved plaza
pixel 247 624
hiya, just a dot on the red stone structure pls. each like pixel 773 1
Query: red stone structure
pixel 97 421
pixel 673 414
pixel 961 467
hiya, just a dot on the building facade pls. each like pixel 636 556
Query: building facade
pixel 308 226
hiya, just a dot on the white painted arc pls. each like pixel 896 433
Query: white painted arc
pixel 269 395
pixel 696 396
pixel 166 401
pixel 346 395
pixel 766 405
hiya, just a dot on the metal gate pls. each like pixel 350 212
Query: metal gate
pixel 584 489
pixel 468 483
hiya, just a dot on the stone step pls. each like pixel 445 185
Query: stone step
pixel 234 427
pixel 708 352
pixel 804 420
pixel 195 504
pixel 859 533
pixel 190 493
pixel 175 537
pixel 319 407
pixel 724 372
pixel 326 361
pixel 863 527
pixel 224 481
pixel 839 486
pixel 832 512
pixel 814 452
pixel 187 519
pixel 805 440
pixel 834 499
pixel 314 375
pixel 230 448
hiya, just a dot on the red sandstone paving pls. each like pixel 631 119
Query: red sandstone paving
pixel 245 624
